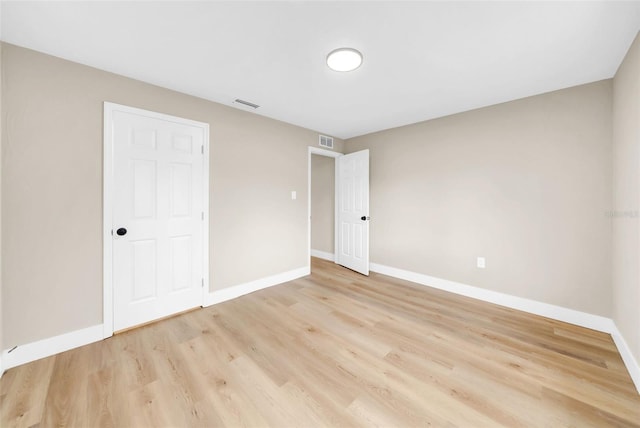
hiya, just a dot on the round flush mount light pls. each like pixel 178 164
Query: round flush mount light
pixel 344 59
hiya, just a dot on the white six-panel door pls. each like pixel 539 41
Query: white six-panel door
pixel 352 173
pixel 158 215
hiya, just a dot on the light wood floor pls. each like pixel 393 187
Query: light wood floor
pixel 333 349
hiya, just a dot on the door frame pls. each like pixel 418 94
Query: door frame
pixel 331 154
pixel 107 200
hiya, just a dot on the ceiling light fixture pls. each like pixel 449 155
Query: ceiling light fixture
pixel 344 59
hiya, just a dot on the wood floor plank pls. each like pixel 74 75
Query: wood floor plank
pixel 333 349
pixel 23 394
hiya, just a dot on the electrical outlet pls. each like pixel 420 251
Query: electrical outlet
pixel 294 195
pixel 481 263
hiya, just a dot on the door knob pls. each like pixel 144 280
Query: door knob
pixel 365 217
pixel 121 232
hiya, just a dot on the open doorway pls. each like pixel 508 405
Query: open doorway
pixel 322 203
pixel 349 192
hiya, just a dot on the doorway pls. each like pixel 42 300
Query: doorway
pixel 322 203
pixel 349 191
pixel 323 207
pixel 352 214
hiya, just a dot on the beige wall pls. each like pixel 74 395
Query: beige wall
pixel 322 203
pixel 626 196
pixel 525 184
pixel 52 190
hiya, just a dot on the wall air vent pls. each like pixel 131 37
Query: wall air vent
pixel 246 103
pixel 326 141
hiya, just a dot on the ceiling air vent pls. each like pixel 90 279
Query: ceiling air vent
pixel 247 103
pixel 326 141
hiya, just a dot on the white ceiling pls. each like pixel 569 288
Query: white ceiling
pixel 421 59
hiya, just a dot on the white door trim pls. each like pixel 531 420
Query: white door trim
pixel 328 153
pixel 107 198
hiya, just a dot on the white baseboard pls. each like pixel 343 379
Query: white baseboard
pixel 229 293
pixel 571 316
pixel 323 255
pixel 583 319
pixel 44 348
pixel 629 360
pixel 53 345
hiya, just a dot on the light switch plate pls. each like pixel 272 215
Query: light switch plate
pixel 294 195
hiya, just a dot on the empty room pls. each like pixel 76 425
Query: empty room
pixel 320 213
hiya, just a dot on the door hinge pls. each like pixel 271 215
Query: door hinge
pixel 202 149
pixel 202 215
pixel 202 282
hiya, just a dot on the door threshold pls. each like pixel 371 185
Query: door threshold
pixel 144 324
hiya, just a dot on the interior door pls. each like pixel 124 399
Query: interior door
pixel 352 244
pixel 157 217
